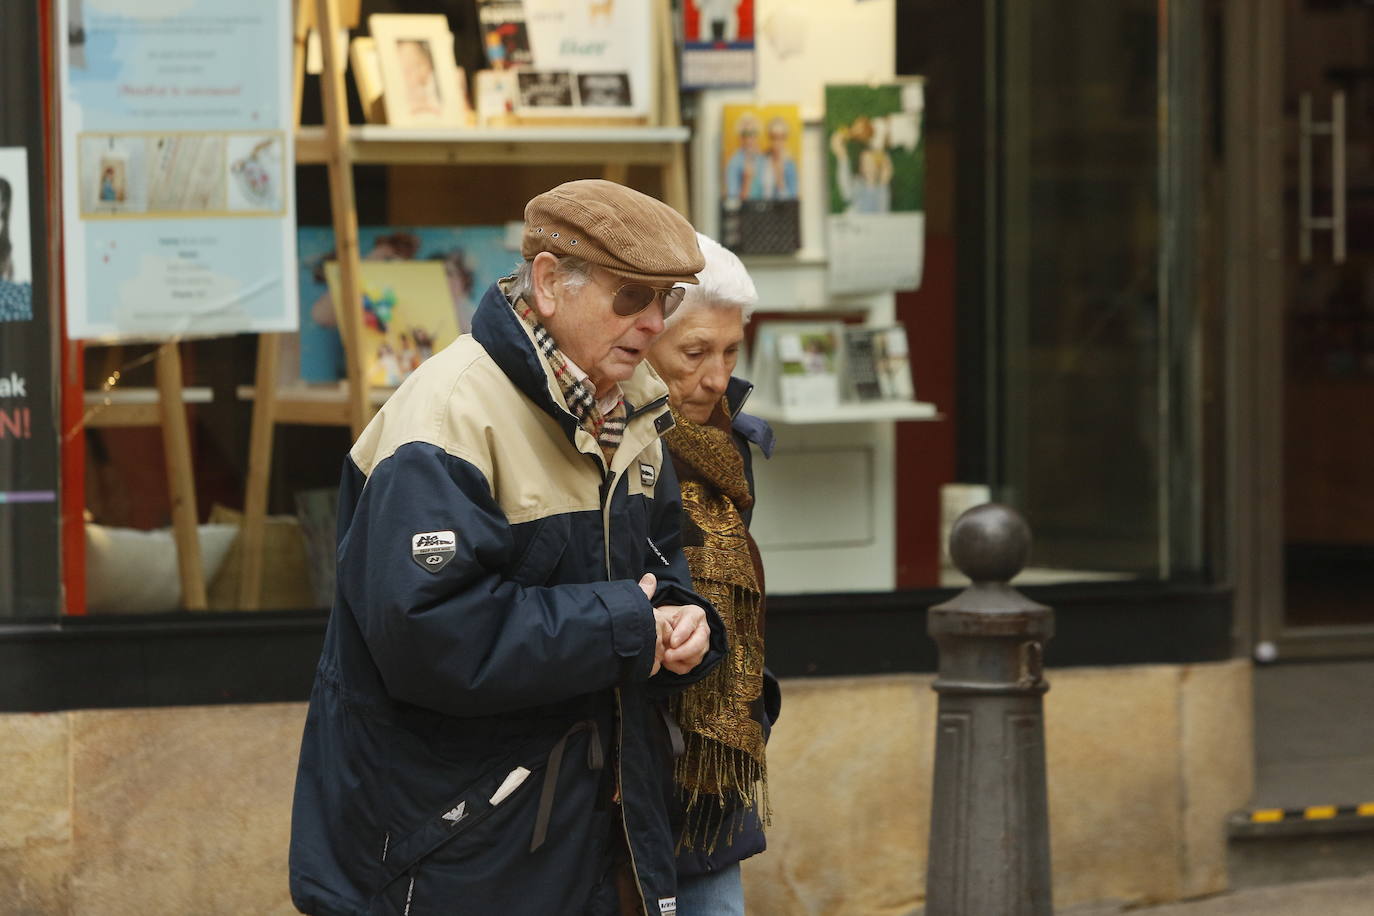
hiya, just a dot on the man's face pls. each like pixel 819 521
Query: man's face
pixel 604 345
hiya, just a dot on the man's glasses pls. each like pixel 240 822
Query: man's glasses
pixel 633 298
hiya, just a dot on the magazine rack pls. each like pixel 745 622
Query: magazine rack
pixel 606 151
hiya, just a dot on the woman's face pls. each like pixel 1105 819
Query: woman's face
pixel 697 356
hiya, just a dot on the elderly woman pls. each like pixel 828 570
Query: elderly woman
pixel 726 717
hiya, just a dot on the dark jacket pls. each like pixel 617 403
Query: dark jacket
pixel 487 622
pixel 733 845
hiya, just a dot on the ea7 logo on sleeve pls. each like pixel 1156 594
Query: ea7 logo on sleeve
pixel 433 549
pixel 667 906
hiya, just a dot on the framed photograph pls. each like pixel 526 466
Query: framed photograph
pixel 422 85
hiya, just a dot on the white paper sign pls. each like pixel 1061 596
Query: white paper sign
pixel 177 160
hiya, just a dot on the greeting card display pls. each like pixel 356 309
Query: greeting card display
pixel 798 364
pixel 879 364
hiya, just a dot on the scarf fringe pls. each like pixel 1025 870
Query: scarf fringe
pixel 711 765
pixel 724 758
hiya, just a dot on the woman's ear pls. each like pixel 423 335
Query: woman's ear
pixel 544 280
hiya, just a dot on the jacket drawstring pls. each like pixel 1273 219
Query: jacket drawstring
pixel 595 761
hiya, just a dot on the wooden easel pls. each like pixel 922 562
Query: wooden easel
pixel 165 407
pixel 339 148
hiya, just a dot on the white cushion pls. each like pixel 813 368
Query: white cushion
pixel 129 571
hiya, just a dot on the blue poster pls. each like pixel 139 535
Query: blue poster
pixel 177 160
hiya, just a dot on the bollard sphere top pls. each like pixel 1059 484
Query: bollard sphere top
pixel 990 543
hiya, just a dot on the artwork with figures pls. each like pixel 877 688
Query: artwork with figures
pixel 760 149
pixel 472 258
pixel 875 156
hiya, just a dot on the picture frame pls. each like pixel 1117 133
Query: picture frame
pixel 367 76
pixel 421 81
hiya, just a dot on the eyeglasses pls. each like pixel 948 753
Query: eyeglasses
pixel 633 298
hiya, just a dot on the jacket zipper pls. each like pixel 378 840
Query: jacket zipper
pixel 620 782
pixel 610 482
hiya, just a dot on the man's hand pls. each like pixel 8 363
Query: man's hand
pixel 683 633
pixel 689 638
pixel 662 622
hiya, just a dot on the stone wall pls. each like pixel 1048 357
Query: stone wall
pixel 187 810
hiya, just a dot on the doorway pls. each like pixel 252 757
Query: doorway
pixel 1328 321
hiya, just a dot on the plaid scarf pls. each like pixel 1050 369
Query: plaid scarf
pixel 607 428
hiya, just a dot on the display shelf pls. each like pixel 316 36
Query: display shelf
pixel 380 144
pixel 848 412
pixel 125 397
pixel 134 406
pixel 314 405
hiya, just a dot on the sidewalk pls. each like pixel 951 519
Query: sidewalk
pixel 1334 897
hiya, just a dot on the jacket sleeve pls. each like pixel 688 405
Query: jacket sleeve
pixel 461 635
pixel 674 578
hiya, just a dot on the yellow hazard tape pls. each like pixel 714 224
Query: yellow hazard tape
pixel 1266 815
pixel 1319 812
pixel 1365 810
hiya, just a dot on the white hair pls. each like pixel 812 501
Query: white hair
pixel 572 272
pixel 723 283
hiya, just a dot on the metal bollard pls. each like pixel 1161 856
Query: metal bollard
pixel 989 824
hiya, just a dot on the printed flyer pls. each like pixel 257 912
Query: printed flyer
pixel 177 160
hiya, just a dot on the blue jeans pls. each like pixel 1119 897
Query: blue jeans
pixel 716 893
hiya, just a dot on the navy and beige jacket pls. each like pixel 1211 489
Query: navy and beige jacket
pixel 483 723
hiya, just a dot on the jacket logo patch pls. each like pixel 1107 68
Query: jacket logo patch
pixel 647 474
pixel 667 906
pixel 433 549
pixel 457 814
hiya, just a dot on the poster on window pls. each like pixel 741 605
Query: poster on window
pixel 717 43
pixel 876 181
pixel 28 434
pixel 177 166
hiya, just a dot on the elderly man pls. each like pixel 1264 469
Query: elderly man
pixel 487 732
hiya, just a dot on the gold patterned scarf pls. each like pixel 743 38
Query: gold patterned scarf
pixel 724 755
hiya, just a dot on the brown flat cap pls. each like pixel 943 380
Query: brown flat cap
pixel 612 226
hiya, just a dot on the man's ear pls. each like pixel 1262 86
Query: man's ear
pixel 544 280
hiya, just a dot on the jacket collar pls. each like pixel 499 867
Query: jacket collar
pixel 507 340
pixel 754 429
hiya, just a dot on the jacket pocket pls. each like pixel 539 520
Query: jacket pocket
pixel 542 552
pixel 468 855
